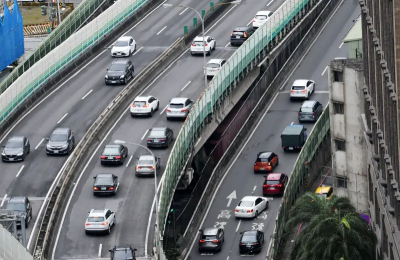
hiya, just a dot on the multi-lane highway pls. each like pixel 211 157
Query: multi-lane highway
pixel 133 202
pixel 266 136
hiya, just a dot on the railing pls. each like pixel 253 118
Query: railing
pixel 235 68
pixel 11 248
pixel 66 52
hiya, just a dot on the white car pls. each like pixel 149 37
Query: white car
pixel 213 66
pixel 197 45
pixel 251 207
pixel 302 89
pixel 261 18
pixel 144 106
pixel 100 221
pixel 123 47
pixel 179 107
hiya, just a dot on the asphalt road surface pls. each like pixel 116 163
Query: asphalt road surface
pixel 282 112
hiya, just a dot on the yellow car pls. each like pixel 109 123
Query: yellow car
pixel 324 192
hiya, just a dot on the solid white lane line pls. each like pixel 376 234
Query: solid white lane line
pixel 130 159
pixel 229 43
pixel 161 30
pixel 20 170
pixel 249 22
pixel 227 258
pixel 136 52
pixel 270 3
pixel 3 200
pixel 255 187
pixel 145 134
pixel 292 123
pixel 198 141
pixel 186 85
pixel 183 11
pixel 164 109
pixel 59 121
pixel 37 146
pixel 237 228
pixel 87 94
pixel 99 254
pixel 324 71
pixel 341 45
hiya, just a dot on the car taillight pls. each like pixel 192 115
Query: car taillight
pixel 313 114
pixel 202 241
pixel 102 157
pixel 283 147
pixel 95 188
pixel 206 44
pixel 265 185
pixel 105 224
pixel 87 224
pixel 255 164
pixel 118 157
pixel 250 210
pixel 146 106
pixel 304 91
pixel 269 164
pixel 215 241
pixel 193 44
pixel 299 113
pixel 245 35
pixel 254 20
pixel 169 110
pixel 280 185
pixel 184 110
pixel 151 168
pixel 236 210
pixel 132 105
pixel 231 33
pixel 291 90
pixel 256 243
pixel 138 167
pixel 111 188
pixel 163 139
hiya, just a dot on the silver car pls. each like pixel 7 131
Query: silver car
pixel 147 165
pixel 179 108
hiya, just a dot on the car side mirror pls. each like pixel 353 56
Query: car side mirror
pixel 110 250
pixel 241 233
pixel 134 249
pixel 305 129
pixel 47 139
pixel 158 158
pixel 4 146
pixel 201 230
pixel 94 177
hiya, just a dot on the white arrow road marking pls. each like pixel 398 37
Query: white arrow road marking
pixel 231 197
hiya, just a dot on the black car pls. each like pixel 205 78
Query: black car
pixel 105 183
pixel 114 154
pixel 21 205
pixel 16 149
pixel 241 34
pixel 211 239
pixel 120 72
pixel 160 137
pixel 251 242
pixel 122 253
pixel 310 111
pixel 61 141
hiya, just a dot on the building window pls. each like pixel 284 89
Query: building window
pixel 377 210
pixel 338 108
pixel 370 185
pixel 340 145
pixel 341 182
pixel 338 76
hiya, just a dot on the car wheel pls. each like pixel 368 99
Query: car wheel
pixel 134 49
pixel 209 52
pixel 277 163
pixel 102 163
pixel 215 45
pixel 29 150
pixel 168 118
pixel 109 230
pixel 26 223
pixel 308 96
pixel 256 214
pixel 125 81
pixel 158 106
pixel 151 113
pixel 86 232
pixel 114 222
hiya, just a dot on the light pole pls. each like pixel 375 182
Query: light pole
pixel 202 25
pixel 155 186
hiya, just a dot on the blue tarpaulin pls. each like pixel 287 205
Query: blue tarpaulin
pixel 11 37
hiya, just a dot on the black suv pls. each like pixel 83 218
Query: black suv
pixel 241 34
pixel 61 141
pixel 120 71
pixel 16 149
pixel 310 111
pixel 123 253
pixel 21 204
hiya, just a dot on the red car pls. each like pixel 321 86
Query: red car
pixel 266 162
pixel 275 183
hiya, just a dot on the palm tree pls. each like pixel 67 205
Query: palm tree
pixel 333 230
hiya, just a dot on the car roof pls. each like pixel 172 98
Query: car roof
pixel 16 138
pixel 97 212
pixel 323 189
pixel 124 38
pixel 112 145
pixel 61 130
pixel 310 103
pixel 263 12
pixel 17 199
pixel 158 129
pixel 300 82
pixel 215 61
pixel 274 176
pixel 293 129
pixel 178 100
pixel 122 61
pixel 241 28
pixel 249 198
pixel 264 154
pixel 146 157
pixel 200 38
pixel 210 231
pixel 142 98
pixel 104 175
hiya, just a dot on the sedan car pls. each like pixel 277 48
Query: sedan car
pixel 99 221
pixel 261 18
pixel 123 47
pixel 275 183
pixel 122 253
pixel 160 137
pixel 147 165
pixel 266 162
pixel 197 45
pixel 114 154
pixel 241 34
pixel 251 241
pixel 302 89
pixel 211 239
pixel 105 183
pixel 251 207
pixel 144 106
pixel 120 72
pixel 213 67
pixel 16 149
pixel 310 111
pixel 179 108
pixel 61 141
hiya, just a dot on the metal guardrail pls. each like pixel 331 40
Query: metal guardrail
pixel 11 248
pixel 68 50
pixel 238 65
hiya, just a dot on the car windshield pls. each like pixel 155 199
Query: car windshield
pixel 198 43
pixel 212 65
pixel 95 219
pixel 209 237
pixel 16 206
pixel 249 238
pixel 175 105
pixel 121 43
pixel 117 67
pixel 272 182
pixel 123 254
pixel 246 204
pixel 298 87
pixel 306 109
pixel 145 162
pixel 14 144
pixel 157 133
pixel 238 33
pixel 104 181
pixel 140 103
pixel 58 137
pixel 261 17
pixel 111 151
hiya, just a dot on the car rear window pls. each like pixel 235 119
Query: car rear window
pixel 58 137
pixel 145 162
pixel 307 109
pixel 111 151
pixel 262 160
pixel 103 181
pixel 272 182
pixel 246 204
pixel 140 103
pixel 238 33
pixel 157 133
pixel 261 17
pixel 213 65
pixel 298 87
pixel 249 238
pixel 95 219
pixel 176 105
pixel 16 206
pixel 198 43
pixel 209 237
pixel 123 254
pixel 14 144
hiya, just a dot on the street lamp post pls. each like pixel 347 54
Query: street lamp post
pixel 202 25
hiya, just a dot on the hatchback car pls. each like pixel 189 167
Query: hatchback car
pixel 114 154
pixel 302 89
pixel 122 253
pixel 266 162
pixel 179 107
pixel 251 241
pixel 123 47
pixel 21 205
pixel 261 18
pixel 197 45
pixel 144 106
pixel 105 183
pixel 61 141
pixel 120 72
pixel 99 221
pixel 147 165
pixel 241 34
pixel 275 183
pixel 160 137
pixel 250 207
pixel 325 192
pixel 16 149
pixel 211 239
pixel 213 67
pixel 310 111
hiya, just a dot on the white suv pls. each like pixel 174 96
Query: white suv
pixel 144 106
pixel 123 47
pixel 213 67
pixel 197 45
pixel 302 89
pixel 100 221
pixel 260 18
